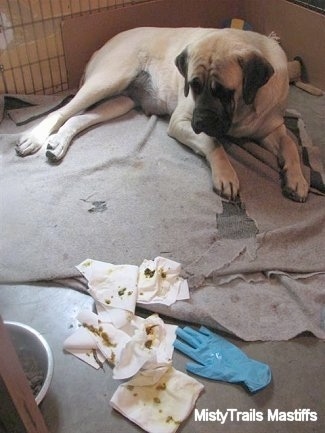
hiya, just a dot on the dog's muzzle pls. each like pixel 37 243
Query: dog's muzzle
pixel 211 123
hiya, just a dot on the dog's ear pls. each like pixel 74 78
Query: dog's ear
pixel 256 72
pixel 182 65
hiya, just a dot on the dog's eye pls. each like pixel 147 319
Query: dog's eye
pixel 196 86
pixel 218 91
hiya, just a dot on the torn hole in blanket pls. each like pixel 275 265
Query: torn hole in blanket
pixel 234 223
pixel 237 240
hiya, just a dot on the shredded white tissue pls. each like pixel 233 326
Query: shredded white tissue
pixel 158 397
pixel 83 346
pixel 160 406
pixel 114 288
pixel 106 339
pixel 159 281
pixel 117 288
pixel 150 345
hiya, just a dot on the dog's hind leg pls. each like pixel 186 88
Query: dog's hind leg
pixel 92 91
pixel 33 139
pixel 58 144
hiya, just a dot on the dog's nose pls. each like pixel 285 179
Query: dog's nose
pixel 213 126
pixel 204 121
pixel 198 126
pixel 202 125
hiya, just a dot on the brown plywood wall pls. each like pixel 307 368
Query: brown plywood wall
pixel 160 13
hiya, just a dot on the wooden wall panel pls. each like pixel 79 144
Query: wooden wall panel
pixel 160 13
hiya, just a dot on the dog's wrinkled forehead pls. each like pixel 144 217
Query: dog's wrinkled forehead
pixel 226 71
pixel 206 60
pixel 227 62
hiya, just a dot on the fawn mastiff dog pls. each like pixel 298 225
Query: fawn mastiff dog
pixel 212 83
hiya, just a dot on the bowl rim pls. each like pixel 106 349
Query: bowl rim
pixel 50 367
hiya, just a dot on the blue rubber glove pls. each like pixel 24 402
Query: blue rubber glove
pixel 219 359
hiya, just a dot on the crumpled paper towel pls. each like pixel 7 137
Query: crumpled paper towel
pixel 158 397
pixel 117 288
pixel 114 288
pixel 158 406
pixel 96 341
pixel 151 345
pixel 142 344
pixel 160 282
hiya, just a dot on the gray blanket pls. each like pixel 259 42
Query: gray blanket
pixel 126 191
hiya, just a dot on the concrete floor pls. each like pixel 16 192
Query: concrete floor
pixel 78 399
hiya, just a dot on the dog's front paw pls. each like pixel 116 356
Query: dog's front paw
pixel 57 146
pixel 294 186
pixel 28 143
pixel 224 177
pixel 226 184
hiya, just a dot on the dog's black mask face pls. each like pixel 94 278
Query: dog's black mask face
pixel 215 103
pixel 214 107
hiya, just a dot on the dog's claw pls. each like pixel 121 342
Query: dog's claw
pixel 298 191
pixel 293 195
pixel 51 156
pixel 233 197
pixel 57 147
pixel 227 186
